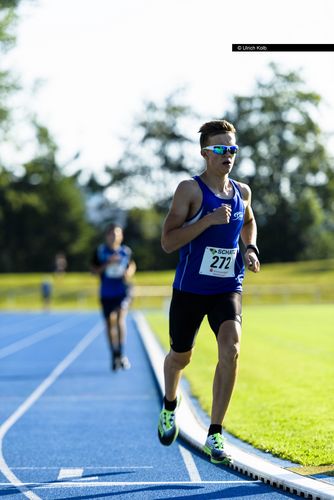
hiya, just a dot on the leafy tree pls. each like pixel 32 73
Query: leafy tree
pixel 157 153
pixel 9 4
pixel 283 157
pixel 42 212
pixel 143 233
pixel 7 22
pixel 7 40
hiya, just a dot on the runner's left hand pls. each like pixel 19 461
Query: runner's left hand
pixel 253 263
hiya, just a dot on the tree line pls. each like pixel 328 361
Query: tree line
pixel 283 157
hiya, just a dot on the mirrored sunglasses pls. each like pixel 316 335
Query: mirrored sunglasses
pixel 220 149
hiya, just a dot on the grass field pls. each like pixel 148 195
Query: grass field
pixel 283 402
pixel 301 282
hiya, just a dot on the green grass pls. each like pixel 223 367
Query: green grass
pixel 283 402
pixel 300 282
pixel 70 291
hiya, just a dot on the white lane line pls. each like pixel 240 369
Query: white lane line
pixel 98 484
pixel 36 337
pixel 34 396
pixel 14 326
pixel 94 478
pixel 89 397
pixel 94 467
pixel 109 397
pixel 190 465
pixel 66 473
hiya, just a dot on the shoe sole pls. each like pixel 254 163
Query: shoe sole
pixel 170 440
pixel 223 461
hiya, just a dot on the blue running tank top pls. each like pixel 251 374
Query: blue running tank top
pixel 212 263
pixel 113 283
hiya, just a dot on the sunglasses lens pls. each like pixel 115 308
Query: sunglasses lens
pixel 220 150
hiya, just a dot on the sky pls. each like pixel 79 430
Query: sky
pixel 96 61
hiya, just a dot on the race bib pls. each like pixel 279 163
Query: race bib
pixel 115 270
pixel 218 262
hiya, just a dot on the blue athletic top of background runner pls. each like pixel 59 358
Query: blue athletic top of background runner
pixel 112 279
pixel 223 236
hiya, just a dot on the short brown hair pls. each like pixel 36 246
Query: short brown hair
pixel 111 227
pixel 212 128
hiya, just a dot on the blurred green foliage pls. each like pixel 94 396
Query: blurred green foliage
pixel 283 157
pixel 285 160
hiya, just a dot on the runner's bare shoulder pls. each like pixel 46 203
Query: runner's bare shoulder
pixel 245 190
pixel 189 190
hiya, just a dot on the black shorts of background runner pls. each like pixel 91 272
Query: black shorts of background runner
pixel 110 305
pixel 187 311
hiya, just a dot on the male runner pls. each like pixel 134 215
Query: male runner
pixel 208 215
pixel 113 262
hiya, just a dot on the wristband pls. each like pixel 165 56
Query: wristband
pixel 254 248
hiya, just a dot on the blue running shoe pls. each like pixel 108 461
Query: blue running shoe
pixel 214 447
pixel 168 429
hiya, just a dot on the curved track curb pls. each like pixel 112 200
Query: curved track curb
pixel 193 431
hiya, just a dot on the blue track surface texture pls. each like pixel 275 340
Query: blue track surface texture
pixel 72 428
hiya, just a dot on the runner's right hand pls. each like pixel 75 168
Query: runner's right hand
pixel 221 215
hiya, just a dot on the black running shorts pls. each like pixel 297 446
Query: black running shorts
pixel 110 305
pixel 187 311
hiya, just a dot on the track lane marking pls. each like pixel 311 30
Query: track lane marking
pixel 94 478
pixel 17 327
pixel 34 396
pixel 190 465
pixel 36 337
pixel 94 467
pixel 97 484
pixel 67 473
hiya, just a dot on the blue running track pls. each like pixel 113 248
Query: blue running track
pixel 72 428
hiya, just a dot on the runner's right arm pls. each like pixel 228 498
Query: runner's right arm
pixel 174 234
pixel 96 266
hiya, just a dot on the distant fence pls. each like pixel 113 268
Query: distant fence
pixel 299 293
pixel 261 294
pixel 147 296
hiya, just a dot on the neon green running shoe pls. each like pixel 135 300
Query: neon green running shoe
pixel 168 429
pixel 214 447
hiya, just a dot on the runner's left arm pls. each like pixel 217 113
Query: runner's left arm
pixel 249 231
pixel 130 270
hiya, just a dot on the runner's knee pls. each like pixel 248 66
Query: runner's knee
pixel 229 342
pixel 230 353
pixel 112 319
pixel 179 359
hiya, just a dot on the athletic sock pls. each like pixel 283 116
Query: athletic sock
pixel 170 405
pixel 215 429
pixel 120 350
pixel 115 353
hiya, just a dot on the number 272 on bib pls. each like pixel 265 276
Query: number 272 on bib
pixel 218 262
